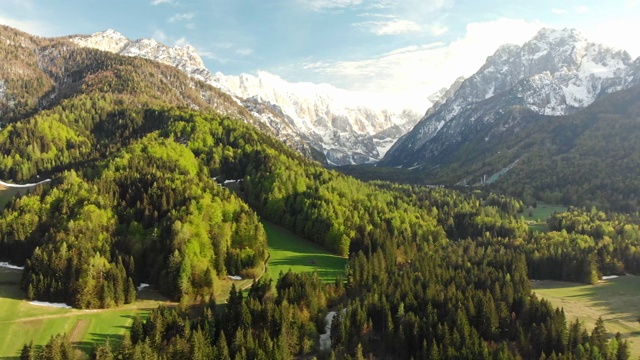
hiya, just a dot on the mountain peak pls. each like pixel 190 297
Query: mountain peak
pixel 184 57
pixel 557 72
pixel 107 40
pixel 554 35
pixel 110 33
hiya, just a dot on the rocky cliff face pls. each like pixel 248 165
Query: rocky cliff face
pixel 555 73
pixel 302 115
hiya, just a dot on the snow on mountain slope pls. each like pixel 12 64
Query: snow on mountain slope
pixel 555 73
pixel 333 121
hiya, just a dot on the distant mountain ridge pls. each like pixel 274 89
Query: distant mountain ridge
pixel 555 73
pixel 300 114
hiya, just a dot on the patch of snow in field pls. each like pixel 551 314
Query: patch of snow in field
pixel 142 286
pixel 235 277
pixel 6 265
pixel 55 305
pixel 609 277
pixel 23 185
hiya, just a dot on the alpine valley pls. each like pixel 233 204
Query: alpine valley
pixel 548 103
pixel 140 186
pixel 308 117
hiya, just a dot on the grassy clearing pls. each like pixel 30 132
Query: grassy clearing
pixel 615 300
pixel 289 251
pixel 21 322
pixel 537 217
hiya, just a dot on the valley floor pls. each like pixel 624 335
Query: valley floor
pixel 22 322
pixel 615 300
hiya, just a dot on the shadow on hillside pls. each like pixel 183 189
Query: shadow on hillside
pixel 619 299
pixel 10 284
pixel 37 348
pixel 95 339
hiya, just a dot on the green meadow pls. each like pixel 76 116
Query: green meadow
pixel 289 251
pixel 537 217
pixel 22 322
pixel 615 300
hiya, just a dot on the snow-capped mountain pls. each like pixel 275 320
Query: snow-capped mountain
pixel 328 119
pixel 555 73
pixel 332 120
pixel 185 58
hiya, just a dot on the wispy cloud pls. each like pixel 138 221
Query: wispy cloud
pixel 581 9
pixel 160 35
pixel 158 2
pixel 181 42
pixel 182 17
pixel 244 51
pixel 403 17
pixel 427 67
pixel 558 11
pixel 438 29
pixel 389 27
pixel 320 5
pixel 632 4
pixel 34 27
pixel 224 53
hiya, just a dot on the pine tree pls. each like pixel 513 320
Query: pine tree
pixel 28 352
pixel 599 336
pixel 221 350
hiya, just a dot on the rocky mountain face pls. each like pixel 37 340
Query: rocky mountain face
pixel 38 73
pixel 328 118
pixel 310 118
pixel 556 73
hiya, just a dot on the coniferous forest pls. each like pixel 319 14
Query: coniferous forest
pixel 136 196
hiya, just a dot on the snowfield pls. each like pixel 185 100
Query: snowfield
pixel 6 265
pixel 55 305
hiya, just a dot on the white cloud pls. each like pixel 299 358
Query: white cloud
pixel 181 17
pixel 408 75
pixel 615 33
pixel 320 5
pixel 632 4
pixel 438 29
pixel 181 42
pixel 159 35
pixel 581 9
pixel 158 2
pixel 390 27
pixel 558 11
pixel 244 51
pixel 33 27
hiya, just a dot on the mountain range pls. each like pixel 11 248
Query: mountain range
pixel 558 72
pixel 308 117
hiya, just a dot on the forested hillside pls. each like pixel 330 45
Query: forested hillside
pixel 135 197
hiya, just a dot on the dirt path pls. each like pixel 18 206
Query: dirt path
pixel 76 312
pixel 82 325
pixel 264 271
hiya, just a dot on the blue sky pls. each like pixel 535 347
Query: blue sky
pixel 403 49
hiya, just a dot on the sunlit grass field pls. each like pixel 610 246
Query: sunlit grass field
pixel 537 217
pixel 615 300
pixel 22 322
pixel 289 251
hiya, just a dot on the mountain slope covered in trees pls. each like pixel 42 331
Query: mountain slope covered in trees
pixel 589 158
